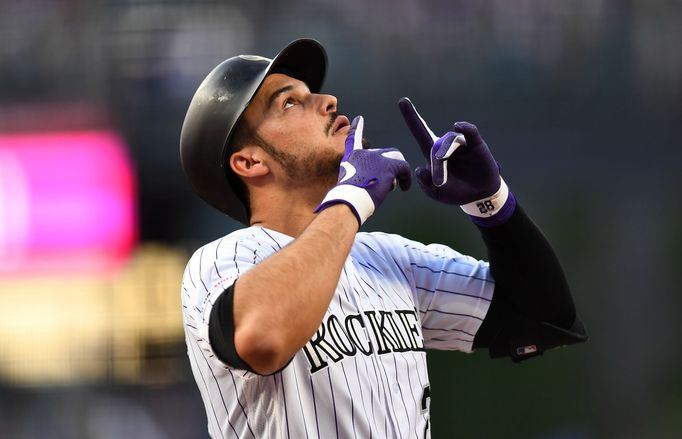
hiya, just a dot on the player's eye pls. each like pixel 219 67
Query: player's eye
pixel 288 103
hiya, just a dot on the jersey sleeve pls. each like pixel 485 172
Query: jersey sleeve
pixel 209 273
pixel 452 291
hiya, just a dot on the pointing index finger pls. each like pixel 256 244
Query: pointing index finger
pixel 418 127
pixel 355 132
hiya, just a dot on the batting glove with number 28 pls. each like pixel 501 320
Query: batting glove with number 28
pixel 366 176
pixel 460 169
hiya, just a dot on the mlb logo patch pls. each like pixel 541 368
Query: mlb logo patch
pixel 525 350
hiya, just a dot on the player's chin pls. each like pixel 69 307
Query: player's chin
pixel 339 144
pixel 318 173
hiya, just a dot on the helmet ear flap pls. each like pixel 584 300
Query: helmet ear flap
pixel 217 107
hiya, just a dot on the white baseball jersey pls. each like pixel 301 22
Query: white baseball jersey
pixel 363 374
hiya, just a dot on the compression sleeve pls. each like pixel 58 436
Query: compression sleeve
pixel 532 309
pixel 221 330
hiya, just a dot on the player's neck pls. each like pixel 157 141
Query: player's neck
pixel 287 211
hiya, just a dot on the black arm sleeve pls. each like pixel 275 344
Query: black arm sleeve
pixel 532 309
pixel 221 330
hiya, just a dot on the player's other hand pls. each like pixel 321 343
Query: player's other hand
pixel 459 167
pixel 366 176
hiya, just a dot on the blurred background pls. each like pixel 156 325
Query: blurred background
pixel 578 99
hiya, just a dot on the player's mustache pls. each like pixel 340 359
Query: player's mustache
pixel 332 119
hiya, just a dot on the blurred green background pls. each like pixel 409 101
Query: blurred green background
pixel 579 101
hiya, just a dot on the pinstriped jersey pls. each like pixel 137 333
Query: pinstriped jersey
pixel 363 373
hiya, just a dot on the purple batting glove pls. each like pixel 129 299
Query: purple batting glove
pixel 366 176
pixel 460 169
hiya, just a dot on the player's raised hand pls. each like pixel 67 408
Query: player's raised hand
pixel 459 167
pixel 366 176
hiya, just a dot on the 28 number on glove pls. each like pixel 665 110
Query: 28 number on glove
pixel 486 206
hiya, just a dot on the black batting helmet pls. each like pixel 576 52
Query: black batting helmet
pixel 217 106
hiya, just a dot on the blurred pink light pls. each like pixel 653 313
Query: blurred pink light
pixel 66 201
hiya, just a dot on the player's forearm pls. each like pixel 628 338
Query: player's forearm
pixel 279 304
pixel 532 308
pixel 527 271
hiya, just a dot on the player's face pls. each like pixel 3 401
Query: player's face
pixel 303 130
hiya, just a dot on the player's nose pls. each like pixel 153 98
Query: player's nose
pixel 327 104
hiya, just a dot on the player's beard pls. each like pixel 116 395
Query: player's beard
pixel 319 166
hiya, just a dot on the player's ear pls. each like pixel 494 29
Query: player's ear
pixel 249 162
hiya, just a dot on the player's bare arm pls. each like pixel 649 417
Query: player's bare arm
pixel 285 287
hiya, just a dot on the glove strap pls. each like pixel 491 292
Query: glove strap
pixel 354 197
pixel 489 206
pixel 501 201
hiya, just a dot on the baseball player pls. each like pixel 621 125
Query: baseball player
pixel 299 325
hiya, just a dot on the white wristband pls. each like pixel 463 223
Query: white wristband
pixel 489 206
pixel 357 197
